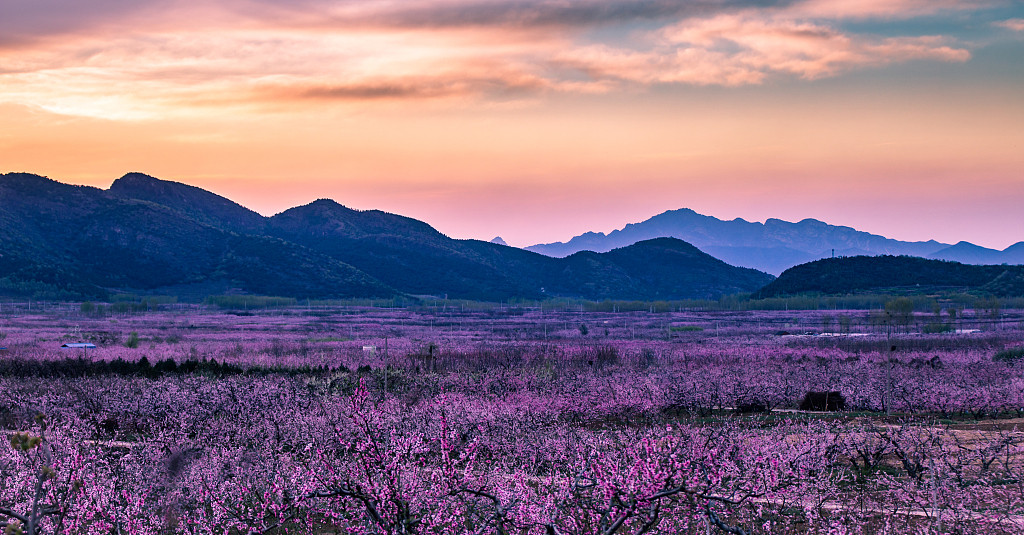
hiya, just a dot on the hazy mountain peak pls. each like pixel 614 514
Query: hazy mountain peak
pixel 968 247
pixel 772 246
pixel 497 240
pixel 970 253
pixel 679 211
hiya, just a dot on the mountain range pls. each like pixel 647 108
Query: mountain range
pixel 775 245
pixel 147 235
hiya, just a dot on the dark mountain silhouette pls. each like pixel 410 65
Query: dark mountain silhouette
pixel 87 241
pixel 149 235
pixel 410 255
pixel 404 252
pixel 775 245
pixel 193 202
pixel 661 268
pixel 894 274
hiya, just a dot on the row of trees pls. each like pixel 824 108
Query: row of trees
pixel 369 464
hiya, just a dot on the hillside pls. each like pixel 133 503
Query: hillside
pixel 659 269
pixel 894 273
pixel 150 235
pixel 411 255
pixel 87 241
pixel 193 202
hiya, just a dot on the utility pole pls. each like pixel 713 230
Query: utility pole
pixel 935 497
pixel 386 365
pixel 888 365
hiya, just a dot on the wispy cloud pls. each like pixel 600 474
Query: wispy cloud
pixel 882 9
pixel 805 49
pixel 538 13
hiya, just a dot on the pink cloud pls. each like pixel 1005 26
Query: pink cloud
pixel 806 49
pixel 734 50
pixel 695 66
pixel 1016 25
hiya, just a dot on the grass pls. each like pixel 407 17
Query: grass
pixel 330 339
pixel 937 328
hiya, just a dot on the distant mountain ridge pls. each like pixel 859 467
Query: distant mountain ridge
pixel 775 245
pixel 968 253
pixel 150 235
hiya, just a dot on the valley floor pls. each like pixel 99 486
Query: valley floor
pixel 443 419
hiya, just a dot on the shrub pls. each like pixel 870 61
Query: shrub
pixel 133 340
pixel 823 401
pixel 937 328
pixel 647 358
pixel 601 356
pixel 1012 354
pixel 166 366
pixel 751 406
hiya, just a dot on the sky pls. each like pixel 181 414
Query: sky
pixel 537 120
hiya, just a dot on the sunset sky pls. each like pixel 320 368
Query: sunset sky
pixel 537 120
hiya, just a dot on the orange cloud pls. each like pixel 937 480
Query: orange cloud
pixel 166 58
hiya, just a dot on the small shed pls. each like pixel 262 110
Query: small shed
pixel 82 345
